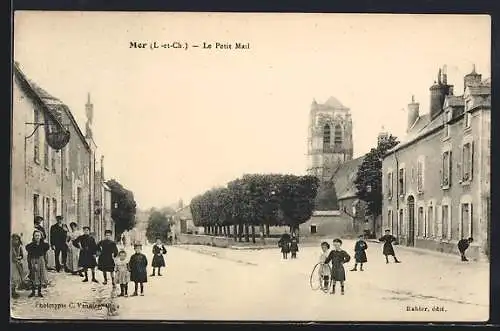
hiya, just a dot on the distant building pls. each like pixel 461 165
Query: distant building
pixel 436 181
pixel 183 221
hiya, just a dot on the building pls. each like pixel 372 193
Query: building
pixel 183 221
pixel 436 181
pixel 330 158
pixel 38 135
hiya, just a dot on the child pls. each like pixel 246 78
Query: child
pixel 463 244
pixel 360 253
pixel 158 260
pixel 324 271
pixel 88 251
pixel 16 265
pixel 338 257
pixel 388 239
pixel 37 250
pixel 294 247
pixel 138 274
pixel 284 243
pixel 122 273
pixel 108 252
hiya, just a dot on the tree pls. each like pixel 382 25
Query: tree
pixel 123 207
pixel 158 226
pixel 369 176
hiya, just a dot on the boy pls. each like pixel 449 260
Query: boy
pixel 360 253
pixel 138 274
pixel 463 244
pixel 294 246
pixel 338 257
pixel 108 252
pixel 388 239
pixel 88 251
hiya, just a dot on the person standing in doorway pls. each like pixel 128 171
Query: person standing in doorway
pixel 88 251
pixel 463 244
pixel 360 253
pixel 107 253
pixel 388 239
pixel 58 236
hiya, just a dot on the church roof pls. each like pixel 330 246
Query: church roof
pixel 344 177
pixel 334 103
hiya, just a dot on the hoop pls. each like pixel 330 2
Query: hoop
pixel 315 280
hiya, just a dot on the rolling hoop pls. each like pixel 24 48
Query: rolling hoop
pixel 315 279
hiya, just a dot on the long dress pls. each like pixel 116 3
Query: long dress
pixel 360 251
pixel 36 257
pixel 158 260
pixel 138 263
pixel 108 252
pixel 388 240
pixel 284 243
pixel 73 252
pixel 122 273
pixel 338 258
pixel 88 251
pixel 324 270
pixel 16 266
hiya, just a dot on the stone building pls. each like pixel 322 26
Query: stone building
pixel 436 181
pixel 35 164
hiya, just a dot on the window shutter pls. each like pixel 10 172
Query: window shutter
pixel 471 224
pixel 450 168
pixel 471 160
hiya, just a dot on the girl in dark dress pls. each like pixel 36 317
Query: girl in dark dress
pixel 360 253
pixel 158 260
pixel 37 250
pixel 138 274
pixel 88 252
pixel 338 257
pixel 107 253
pixel 284 244
pixel 388 239
pixel 294 247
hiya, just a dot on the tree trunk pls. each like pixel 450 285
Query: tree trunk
pixel 235 232
pixel 240 232
pixel 224 230
pixel 204 230
pixel 228 227
pixel 267 230
pixel 247 238
pixel 253 234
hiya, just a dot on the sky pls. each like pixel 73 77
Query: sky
pixel 173 123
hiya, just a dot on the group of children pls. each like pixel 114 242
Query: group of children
pixel 104 255
pixel 338 257
pixel 289 245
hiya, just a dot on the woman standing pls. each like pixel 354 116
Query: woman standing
pixel 73 251
pixel 284 244
pixel 16 265
pixel 37 251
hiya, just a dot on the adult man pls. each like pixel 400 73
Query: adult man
pixel 463 244
pixel 58 236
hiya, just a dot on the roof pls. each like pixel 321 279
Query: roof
pixel 344 178
pixel 455 101
pixel 334 103
pixel 184 212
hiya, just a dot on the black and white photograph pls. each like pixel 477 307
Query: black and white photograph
pixel 174 166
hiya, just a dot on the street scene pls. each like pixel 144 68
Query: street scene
pixel 214 177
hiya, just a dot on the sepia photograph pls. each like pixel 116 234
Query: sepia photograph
pixel 170 166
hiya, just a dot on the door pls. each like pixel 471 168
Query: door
pixel 411 221
pixel 183 226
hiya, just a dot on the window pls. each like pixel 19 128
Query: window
pixel 446 130
pixel 313 229
pixel 47 210
pixel 429 222
pixel 36 206
pixel 389 184
pixel 446 170
pixel 53 158
pixel 400 222
pixel 66 160
pixel 78 162
pixel 326 136
pixel 46 154
pixel 420 222
pixel 54 207
pixel 466 219
pixel 467 118
pixel 467 159
pixel 389 221
pixel 420 176
pixel 338 135
pixel 401 181
pixel 445 233
pixel 36 138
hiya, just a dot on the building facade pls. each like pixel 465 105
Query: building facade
pixel 436 181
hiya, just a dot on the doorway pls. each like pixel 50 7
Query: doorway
pixel 411 221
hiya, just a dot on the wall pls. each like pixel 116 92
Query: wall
pixel 430 149
pixel 338 226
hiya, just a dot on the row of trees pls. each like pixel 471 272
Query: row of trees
pixel 123 207
pixel 255 201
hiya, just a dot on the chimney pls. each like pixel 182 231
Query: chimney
pixel 413 113
pixel 439 90
pixel 472 78
pixel 102 168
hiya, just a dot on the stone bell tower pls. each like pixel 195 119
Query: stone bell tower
pixel 329 142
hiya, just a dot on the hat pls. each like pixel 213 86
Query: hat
pixel 108 231
pixel 337 240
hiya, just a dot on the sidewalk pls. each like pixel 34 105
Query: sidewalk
pixel 66 297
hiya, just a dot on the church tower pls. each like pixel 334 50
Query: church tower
pixel 329 142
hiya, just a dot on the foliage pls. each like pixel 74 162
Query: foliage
pixel 158 226
pixel 369 176
pixel 124 214
pixel 327 197
pixel 257 199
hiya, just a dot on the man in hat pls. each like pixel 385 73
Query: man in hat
pixel 58 236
